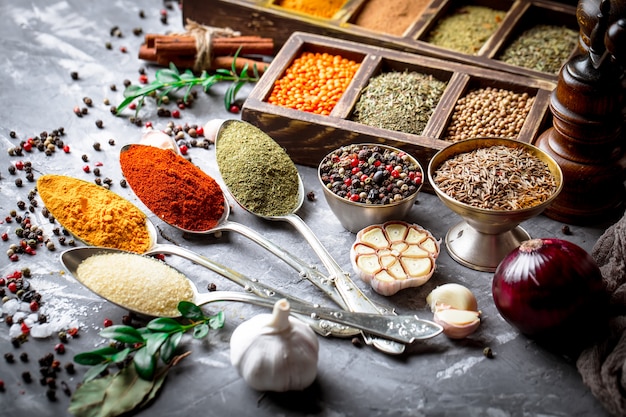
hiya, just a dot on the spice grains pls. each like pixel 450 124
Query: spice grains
pixel 466 28
pixel 139 283
pixel 497 177
pixel 258 172
pixel 95 214
pixel 399 101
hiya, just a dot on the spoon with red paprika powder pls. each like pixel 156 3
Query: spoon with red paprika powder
pixel 273 190
pixel 185 197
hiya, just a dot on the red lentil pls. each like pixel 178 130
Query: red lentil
pixel 314 82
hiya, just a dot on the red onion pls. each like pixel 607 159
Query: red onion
pixel 549 288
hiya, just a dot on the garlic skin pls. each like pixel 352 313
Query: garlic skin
pixel 275 352
pixel 455 308
pixel 452 295
pixel 159 139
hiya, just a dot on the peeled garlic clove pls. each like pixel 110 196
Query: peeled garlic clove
pixel 452 295
pixel 457 324
pixel 374 236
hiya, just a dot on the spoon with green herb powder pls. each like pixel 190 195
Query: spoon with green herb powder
pixel 263 179
pixel 161 186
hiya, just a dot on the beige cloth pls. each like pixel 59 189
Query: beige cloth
pixel 603 366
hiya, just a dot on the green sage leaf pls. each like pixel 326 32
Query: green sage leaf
pixel 95 371
pixel 200 331
pixel 167 76
pixel 190 311
pixel 217 321
pixel 122 333
pixel 95 357
pixel 121 355
pixel 164 324
pixel 145 364
pixel 154 342
pixel 168 348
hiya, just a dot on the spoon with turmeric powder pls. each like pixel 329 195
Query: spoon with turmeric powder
pixel 263 179
pixel 99 217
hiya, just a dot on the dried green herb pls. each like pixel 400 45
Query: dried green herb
pixel 466 28
pixel 542 47
pixel 399 101
pixel 139 350
pixel 257 171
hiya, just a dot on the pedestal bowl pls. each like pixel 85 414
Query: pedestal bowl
pixel 486 235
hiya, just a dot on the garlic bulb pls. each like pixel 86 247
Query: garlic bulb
pixel 394 256
pixel 455 309
pixel 275 352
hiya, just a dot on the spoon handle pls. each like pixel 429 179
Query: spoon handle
pixel 352 295
pixel 252 285
pixel 401 329
pixel 305 270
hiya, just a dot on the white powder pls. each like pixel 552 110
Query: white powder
pixel 136 282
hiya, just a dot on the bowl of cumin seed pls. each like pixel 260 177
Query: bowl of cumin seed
pixel 493 184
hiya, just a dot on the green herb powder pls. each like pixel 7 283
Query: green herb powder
pixel 543 48
pixel 257 170
pixel 466 28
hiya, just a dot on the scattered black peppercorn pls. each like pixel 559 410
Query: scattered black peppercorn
pixel 51 394
pixel 69 368
pixel 24 357
pixel 74 75
pixel 310 196
pixel 99 124
pixel 212 287
pixel 27 377
pixel 96 146
pixel 9 357
pixel 357 342
pixel 566 230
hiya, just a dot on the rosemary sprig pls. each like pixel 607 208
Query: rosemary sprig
pixel 170 80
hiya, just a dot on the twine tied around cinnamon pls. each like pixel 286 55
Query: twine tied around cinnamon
pixel 204 35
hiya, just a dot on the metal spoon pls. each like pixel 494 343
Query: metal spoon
pixel 304 269
pixel 404 329
pixel 353 297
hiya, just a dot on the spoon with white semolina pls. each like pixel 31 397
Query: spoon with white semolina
pixel 150 287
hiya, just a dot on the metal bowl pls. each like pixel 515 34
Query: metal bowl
pixel 486 236
pixel 355 216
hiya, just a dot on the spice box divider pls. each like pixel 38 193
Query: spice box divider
pixel 266 18
pixel 308 137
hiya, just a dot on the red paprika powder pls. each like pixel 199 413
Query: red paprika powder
pixel 173 188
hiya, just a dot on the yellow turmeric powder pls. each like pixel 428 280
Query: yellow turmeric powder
pixel 319 8
pixel 94 214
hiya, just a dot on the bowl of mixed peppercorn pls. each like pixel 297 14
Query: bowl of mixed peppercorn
pixel 366 184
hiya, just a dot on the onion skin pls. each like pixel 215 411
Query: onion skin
pixel 550 288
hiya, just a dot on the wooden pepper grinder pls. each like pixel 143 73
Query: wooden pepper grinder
pixel 587 136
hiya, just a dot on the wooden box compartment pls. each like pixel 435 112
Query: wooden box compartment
pixel 308 137
pixel 267 18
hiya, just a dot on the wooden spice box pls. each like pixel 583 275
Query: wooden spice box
pixel 266 18
pixel 308 137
